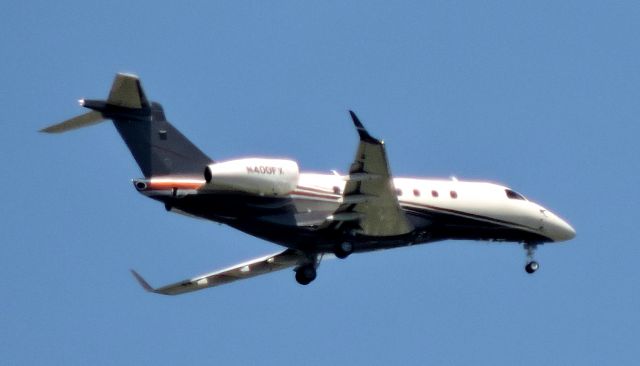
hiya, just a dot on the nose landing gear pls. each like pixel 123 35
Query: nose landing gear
pixel 532 266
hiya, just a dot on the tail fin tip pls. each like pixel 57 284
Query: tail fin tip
pixel 126 91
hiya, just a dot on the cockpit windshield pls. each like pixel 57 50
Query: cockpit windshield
pixel 514 195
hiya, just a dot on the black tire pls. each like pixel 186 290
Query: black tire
pixel 305 275
pixel 343 250
pixel 531 267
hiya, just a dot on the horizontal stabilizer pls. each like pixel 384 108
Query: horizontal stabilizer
pixel 84 120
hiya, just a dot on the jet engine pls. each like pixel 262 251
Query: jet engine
pixel 266 177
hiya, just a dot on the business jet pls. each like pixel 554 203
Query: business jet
pixel 313 216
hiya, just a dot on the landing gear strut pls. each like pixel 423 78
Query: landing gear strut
pixel 531 265
pixel 305 274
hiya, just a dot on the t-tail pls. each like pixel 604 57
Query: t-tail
pixel 158 147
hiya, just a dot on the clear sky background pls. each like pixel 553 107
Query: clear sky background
pixel 542 96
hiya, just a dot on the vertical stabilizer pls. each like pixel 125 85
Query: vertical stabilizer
pixel 158 147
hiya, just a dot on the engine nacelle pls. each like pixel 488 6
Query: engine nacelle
pixel 266 177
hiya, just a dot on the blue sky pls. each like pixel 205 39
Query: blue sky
pixel 540 95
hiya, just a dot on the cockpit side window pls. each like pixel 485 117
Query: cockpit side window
pixel 514 195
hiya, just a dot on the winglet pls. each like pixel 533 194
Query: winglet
pixel 142 281
pixel 364 134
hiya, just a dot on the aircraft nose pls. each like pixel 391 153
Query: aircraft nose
pixel 558 229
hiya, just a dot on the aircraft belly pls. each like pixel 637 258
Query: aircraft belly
pixel 293 222
pixel 443 226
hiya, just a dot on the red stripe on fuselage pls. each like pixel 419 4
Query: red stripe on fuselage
pixel 158 186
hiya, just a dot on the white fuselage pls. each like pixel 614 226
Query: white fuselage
pixel 481 201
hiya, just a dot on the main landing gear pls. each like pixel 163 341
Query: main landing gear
pixel 531 265
pixel 343 250
pixel 306 274
pixel 307 271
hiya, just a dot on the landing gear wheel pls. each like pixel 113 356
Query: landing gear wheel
pixel 343 250
pixel 531 267
pixel 305 275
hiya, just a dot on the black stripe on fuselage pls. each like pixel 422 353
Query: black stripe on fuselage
pixel 405 205
pixel 466 214
pixel 276 219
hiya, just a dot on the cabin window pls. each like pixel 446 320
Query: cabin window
pixel 416 193
pixel 399 191
pixel 514 195
pixel 453 194
pixel 336 190
pixel 434 194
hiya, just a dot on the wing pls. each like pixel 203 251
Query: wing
pixel 256 267
pixel 369 203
